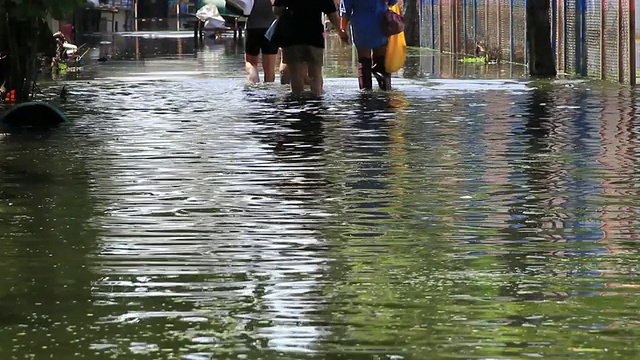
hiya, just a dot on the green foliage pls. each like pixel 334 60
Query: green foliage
pixel 23 9
pixel 19 34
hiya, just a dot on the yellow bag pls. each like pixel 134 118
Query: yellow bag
pixel 396 49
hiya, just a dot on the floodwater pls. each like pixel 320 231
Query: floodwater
pixel 186 215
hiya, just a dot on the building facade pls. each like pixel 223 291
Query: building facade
pixel 105 16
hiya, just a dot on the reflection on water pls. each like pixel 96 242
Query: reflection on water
pixel 185 214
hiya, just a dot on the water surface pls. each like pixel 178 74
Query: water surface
pixel 466 214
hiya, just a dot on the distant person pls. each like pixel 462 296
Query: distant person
pixel 306 43
pixel 365 17
pixel 256 43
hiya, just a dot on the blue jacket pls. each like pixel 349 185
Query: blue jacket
pixel 366 19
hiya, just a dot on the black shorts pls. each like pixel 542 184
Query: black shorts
pixel 255 43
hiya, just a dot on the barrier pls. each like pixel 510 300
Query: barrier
pixel 594 38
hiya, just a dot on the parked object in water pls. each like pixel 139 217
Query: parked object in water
pixel 213 24
pixel 33 115
pixel 234 21
pixel 67 58
pixel 211 17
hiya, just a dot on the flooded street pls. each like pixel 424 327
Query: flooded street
pixel 467 214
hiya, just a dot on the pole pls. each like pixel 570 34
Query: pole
pixel 632 42
pixel 135 15
pixel 512 41
pixel 440 26
pixel 178 15
pixel 620 40
pixel 603 57
pixel 539 39
pixel 465 39
pixel 433 25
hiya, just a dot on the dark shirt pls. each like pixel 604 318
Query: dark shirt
pixel 261 15
pixel 306 21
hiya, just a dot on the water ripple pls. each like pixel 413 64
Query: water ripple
pixel 185 214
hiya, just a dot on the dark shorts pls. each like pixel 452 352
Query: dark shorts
pixel 255 43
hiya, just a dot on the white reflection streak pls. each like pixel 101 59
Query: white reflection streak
pixel 206 199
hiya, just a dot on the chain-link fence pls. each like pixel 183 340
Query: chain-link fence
pixel 593 38
pixel 474 27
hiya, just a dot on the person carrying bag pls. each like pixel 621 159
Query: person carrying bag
pixel 370 29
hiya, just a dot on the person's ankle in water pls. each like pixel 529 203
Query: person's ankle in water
pixel 252 73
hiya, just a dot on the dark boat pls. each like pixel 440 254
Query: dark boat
pixel 33 114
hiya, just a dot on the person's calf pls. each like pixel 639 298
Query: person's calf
pixel 317 82
pixel 380 73
pixel 297 78
pixel 269 67
pixel 252 73
pixel 364 73
pixel 285 75
pixel 307 74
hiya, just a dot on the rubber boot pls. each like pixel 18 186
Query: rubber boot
pixel 382 76
pixel 364 74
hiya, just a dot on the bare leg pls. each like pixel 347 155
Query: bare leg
pixel 307 74
pixel 315 72
pixel 297 71
pixel 364 69
pixel 285 75
pixel 269 67
pixel 251 67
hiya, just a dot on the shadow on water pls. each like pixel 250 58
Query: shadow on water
pixel 536 130
pixel 368 141
pixel 45 215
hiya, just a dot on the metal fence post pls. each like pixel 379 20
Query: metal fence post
pixel 464 27
pixel 576 37
pixel 440 27
pixel 579 57
pixel 632 42
pixel 499 28
pixel 554 31
pixel 453 9
pixel 433 25
pixel 475 23
pixel 603 54
pixel 526 42
pixel 620 40
pixel 565 44
pixel 486 25
pixel 512 46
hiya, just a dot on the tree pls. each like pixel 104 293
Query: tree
pixel 21 27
